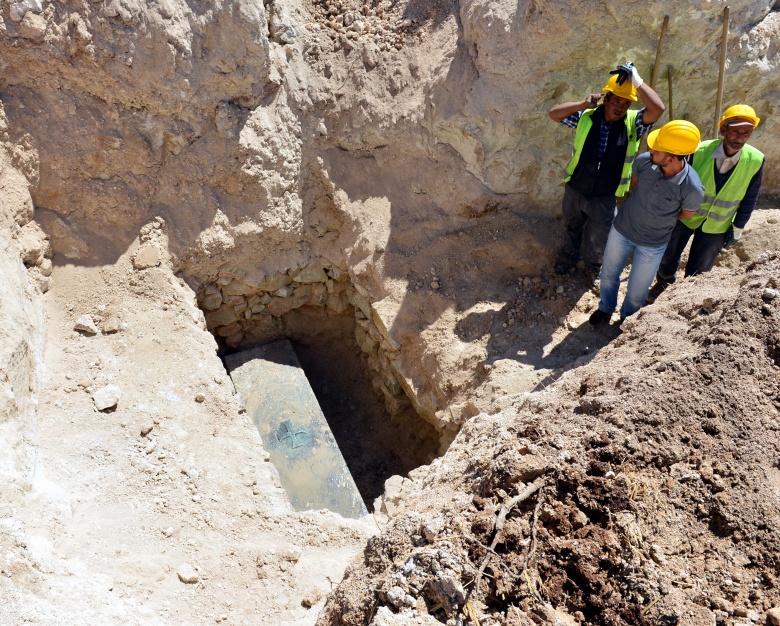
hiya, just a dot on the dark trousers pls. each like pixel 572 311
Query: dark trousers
pixel 704 251
pixel 586 223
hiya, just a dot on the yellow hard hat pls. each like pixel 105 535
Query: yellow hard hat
pixel 626 90
pixel 740 110
pixel 678 137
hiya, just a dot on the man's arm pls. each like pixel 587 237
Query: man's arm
pixel 749 200
pixel 654 106
pixel 692 200
pixel 561 111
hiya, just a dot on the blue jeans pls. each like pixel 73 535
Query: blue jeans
pixel 643 269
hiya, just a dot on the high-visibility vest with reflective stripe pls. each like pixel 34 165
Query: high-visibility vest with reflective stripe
pixel 583 128
pixel 717 211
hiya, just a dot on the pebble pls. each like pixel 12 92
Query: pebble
pixel 106 398
pixel 112 325
pixel 168 531
pixel 85 324
pixel 187 574
pixel 770 294
pixel 200 398
pixel 773 615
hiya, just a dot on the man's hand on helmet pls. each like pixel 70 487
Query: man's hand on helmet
pixel 626 71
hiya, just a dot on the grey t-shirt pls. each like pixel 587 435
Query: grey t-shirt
pixel 648 216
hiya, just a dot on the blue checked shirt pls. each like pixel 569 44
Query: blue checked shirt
pixel 572 120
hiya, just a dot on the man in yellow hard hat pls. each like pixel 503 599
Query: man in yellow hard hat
pixel 605 144
pixel 664 187
pixel 731 171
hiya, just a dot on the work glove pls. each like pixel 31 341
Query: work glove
pixel 733 235
pixel 626 71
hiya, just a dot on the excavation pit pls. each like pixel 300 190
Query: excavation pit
pixel 338 347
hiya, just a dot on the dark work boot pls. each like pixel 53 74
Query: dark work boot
pixel 598 317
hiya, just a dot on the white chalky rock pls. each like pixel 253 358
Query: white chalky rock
pixel 20 9
pixel 187 574
pixel 106 398
pixel 774 616
pixel 86 324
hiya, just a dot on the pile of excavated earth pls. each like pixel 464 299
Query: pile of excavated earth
pixel 377 182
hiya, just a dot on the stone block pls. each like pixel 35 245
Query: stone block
pixel 360 301
pixel 234 300
pixel 319 295
pixel 284 292
pixel 408 386
pixel 235 340
pixel 383 313
pixel 230 329
pixel 302 291
pixel 238 288
pixel 338 302
pixel 223 316
pixel 280 306
pixel 311 275
pixel 261 282
pixel 395 403
pixel 210 298
pixel 369 345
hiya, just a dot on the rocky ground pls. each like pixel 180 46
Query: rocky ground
pixel 642 488
pixel 649 455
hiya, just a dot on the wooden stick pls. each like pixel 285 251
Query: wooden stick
pixel 671 107
pixel 656 65
pixel 723 41
pixel 506 508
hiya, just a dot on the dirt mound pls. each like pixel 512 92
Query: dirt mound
pixel 641 489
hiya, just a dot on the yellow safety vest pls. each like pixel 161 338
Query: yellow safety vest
pixel 583 128
pixel 717 212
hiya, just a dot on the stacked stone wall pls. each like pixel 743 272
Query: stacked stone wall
pixel 250 309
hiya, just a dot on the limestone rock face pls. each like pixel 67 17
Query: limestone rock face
pixel 22 318
pixel 244 127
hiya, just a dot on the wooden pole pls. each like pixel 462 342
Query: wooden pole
pixel 721 71
pixel 669 101
pixel 654 73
